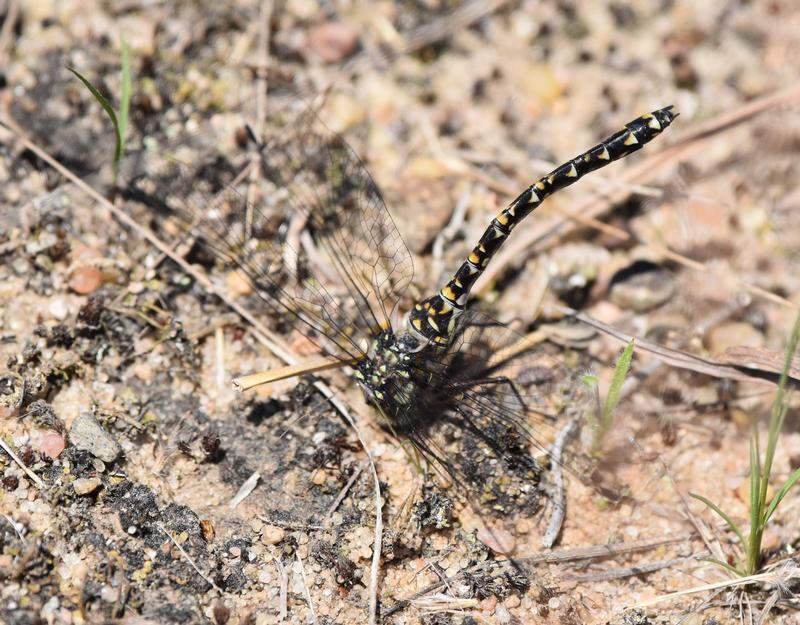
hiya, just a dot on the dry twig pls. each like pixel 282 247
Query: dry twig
pixel 306 592
pixel 245 489
pixel 685 360
pixel 284 590
pixel 778 579
pixel 630 571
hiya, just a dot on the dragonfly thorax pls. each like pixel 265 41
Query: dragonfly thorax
pixel 385 374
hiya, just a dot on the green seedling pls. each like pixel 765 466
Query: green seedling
pixel 118 118
pixel 748 557
pixel 601 424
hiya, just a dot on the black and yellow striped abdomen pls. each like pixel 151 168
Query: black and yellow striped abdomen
pixel 434 319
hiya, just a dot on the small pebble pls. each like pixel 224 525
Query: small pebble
pixel 333 41
pixel 50 606
pixel 264 576
pixel 84 485
pixel 272 534
pixel 58 309
pixel 641 287
pixel 52 445
pixel 318 478
pixel 256 525
pixel 85 280
pixel 733 334
pixel 109 594
pixel 87 434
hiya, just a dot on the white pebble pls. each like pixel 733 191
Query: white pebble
pixel 58 308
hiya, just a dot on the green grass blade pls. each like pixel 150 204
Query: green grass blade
pixel 777 418
pixel 620 373
pixel 779 407
pixel 753 544
pixel 125 96
pixel 722 564
pixel 793 478
pixel 755 482
pixel 106 107
pixel 722 514
pixel 760 470
pixel 601 424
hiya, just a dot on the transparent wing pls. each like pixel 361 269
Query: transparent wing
pixel 489 406
pixel 328 182
pixel 319 247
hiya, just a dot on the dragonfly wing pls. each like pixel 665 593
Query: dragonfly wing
pixel 346 213
pixel 350 243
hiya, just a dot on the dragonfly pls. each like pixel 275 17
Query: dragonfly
pixel 445 377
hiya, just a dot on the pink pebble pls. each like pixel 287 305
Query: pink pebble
pixel 52 444
pixel 85 280
pixel 498 540
pixel 333 41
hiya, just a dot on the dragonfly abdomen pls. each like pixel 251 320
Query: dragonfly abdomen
pixel 434 319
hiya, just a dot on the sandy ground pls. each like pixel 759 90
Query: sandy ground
pixel 130 445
